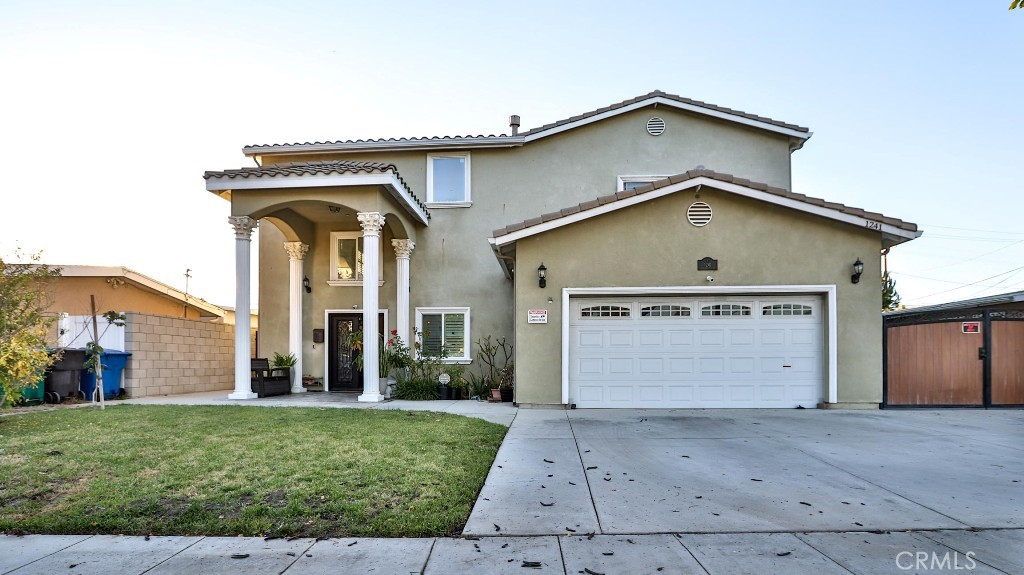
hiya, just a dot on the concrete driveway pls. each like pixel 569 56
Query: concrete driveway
pixel 736 471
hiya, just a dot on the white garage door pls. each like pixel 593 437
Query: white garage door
pixel 696 352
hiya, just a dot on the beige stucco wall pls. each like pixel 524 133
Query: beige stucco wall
pixel 172 355
pixel 453 265
pixel 71 295
pixel 652 244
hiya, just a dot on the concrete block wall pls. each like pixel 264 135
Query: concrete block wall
pixel 173 355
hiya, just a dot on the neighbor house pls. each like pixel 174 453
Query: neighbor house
pixel 647 254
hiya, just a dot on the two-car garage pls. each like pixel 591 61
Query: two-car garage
pixel 696 352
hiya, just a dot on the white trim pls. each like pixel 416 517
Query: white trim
pixel 449 310
pixel 389 180
pixel 467 200
pixel 444 205
pixel 711 183
pixel 829 291
pixel 662 101
pixel 327 336
pixel 620 181
pixel 333 271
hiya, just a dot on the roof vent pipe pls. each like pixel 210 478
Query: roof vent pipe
pixel 513 121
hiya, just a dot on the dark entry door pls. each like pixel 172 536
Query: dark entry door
pixel 342 372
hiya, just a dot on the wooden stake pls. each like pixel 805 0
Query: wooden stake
pixel 99 360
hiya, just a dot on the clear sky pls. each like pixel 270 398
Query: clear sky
pixel 111 111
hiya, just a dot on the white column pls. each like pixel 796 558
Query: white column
pixel 243 225
pixel 403 249
pixel 296 251
pixel 372 223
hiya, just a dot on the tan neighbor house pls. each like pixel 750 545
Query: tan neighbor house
pixel 680 269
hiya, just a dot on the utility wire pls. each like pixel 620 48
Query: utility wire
pixel 967 285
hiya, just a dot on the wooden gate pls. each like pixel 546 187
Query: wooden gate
pixel 959 358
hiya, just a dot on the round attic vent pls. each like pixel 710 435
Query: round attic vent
pixel 655 126
pixel 699 214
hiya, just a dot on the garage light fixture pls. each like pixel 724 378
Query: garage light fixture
pixel 858 268
pixel 305 284
pixel 542 275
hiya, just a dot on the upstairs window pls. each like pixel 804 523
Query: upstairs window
pixel 448 180
pixel 630 182
pixel 347 259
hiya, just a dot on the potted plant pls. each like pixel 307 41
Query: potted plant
pixel 497 366
pixel 392 355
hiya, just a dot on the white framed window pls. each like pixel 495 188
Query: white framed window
pixel 624 183
pixel 444 328
pixel 347 260
pixel 448 180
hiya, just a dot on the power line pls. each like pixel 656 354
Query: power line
pixel 972 230
pixel 967 285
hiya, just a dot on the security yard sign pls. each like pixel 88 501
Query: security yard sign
pixel 537 316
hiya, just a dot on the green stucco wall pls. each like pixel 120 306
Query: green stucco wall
pixel 453 265
pixel 652 244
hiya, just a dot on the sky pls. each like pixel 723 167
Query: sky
pixel 110 112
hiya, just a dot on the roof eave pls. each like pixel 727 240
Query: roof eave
pixel 891 233
pixel 386 145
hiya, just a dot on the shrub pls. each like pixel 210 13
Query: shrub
pixel 416 389
pixel 23 325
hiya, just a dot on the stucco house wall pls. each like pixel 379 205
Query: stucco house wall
pixel 453 265
pixel 652 244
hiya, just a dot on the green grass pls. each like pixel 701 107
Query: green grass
pixel 254 471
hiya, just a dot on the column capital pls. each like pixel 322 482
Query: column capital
pixel 403 248
pixel 372 222
pixel 296 250
pixel 244 225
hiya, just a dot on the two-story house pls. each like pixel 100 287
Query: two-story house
pixel 647 254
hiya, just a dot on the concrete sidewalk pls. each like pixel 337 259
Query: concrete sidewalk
pixel 502 413
pixel 860 553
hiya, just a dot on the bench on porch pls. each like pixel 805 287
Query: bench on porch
pixel 264 381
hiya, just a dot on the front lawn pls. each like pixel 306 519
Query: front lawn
pixel 270 471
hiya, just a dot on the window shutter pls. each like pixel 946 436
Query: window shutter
pixel 432 334
pixel 455 334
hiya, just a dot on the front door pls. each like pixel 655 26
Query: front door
pixel 343 375
pixel 342 372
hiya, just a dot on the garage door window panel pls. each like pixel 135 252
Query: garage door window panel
pixel 786 310
pixel 664 310
pixel 606 311
pixel 725 310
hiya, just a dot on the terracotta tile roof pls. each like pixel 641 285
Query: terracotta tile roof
pixel 502 139
pixel 726 178
pixel 673 97
pixel 314 168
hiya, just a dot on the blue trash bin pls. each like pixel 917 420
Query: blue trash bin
pixel 114 363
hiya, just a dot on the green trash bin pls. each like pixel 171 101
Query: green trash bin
pixel 33 394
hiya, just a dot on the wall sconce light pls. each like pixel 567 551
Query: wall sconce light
pixel 858 268
pixel 542 275
pixel 305 284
